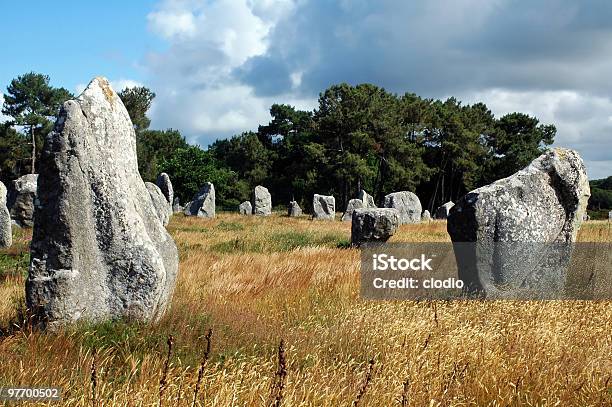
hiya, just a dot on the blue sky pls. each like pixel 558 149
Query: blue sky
pixel 72 40
pixel 218 65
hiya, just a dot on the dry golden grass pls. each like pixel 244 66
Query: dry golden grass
pixel 255 281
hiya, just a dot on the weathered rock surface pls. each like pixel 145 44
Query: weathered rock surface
pixel 176 206
pixel 262 201
pixel 367 199
pixel 408 205
pixel 294 209
pixel 21 199
pixel 374 225
pixel 444 210
pixel 159 203
pixel 350 208
pixel 364 200
pixel 426 216
pixel 6 238
pixel 523 227
pixel 99 250
pixel 203 203
pixel 323 207
pixel 164 184
pixel 245 208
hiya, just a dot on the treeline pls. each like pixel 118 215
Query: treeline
pixel 601 197
pixel 365 137
pixel 358 137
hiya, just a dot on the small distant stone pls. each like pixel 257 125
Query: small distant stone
pixel 176 206
pixel 374 225
pixel 262 201
pixel 6 238
pixel 203 203
pixel 367 199
pixel 164 184
pixel 350 208
pixel 245 208
pixel 408 205
pixel 294 209
pixel 21 199
pixel 159 203
pixel 323 207
pixel 426 217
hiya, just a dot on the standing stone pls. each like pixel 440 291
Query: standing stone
pixel 203 203
pixel 6 238
pixel 262 201
pixel 408 205
pixel 159 203
pixel 374 225
pixel 323 207
pixel 22 199
pixel 364 200
pixel 294 209
pixel 367 199
pixel 444 210
pixel 522 227
pixel 176 206
pixel 610 215
pixel 164 184
pixel 98 251
pixel 350 208
pixel 426 217
pixel 245 208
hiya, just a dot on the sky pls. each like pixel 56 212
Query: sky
pixel 218 65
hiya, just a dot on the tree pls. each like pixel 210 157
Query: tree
pixel 247 155
pixel 189 168
pixel 517 140
pixel 14 152
pixel 155 146
pixel 33 103
pixel 137 101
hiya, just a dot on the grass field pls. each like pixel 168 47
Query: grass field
pixel 257 281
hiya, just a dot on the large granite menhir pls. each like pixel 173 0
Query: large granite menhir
pixel 522 228
pixel 99 250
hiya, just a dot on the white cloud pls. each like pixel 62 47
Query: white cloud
pixel 193 79
pixel 227 61
pixel 171 24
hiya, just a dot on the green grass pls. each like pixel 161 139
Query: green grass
pixel 281 242
pixel 15 260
